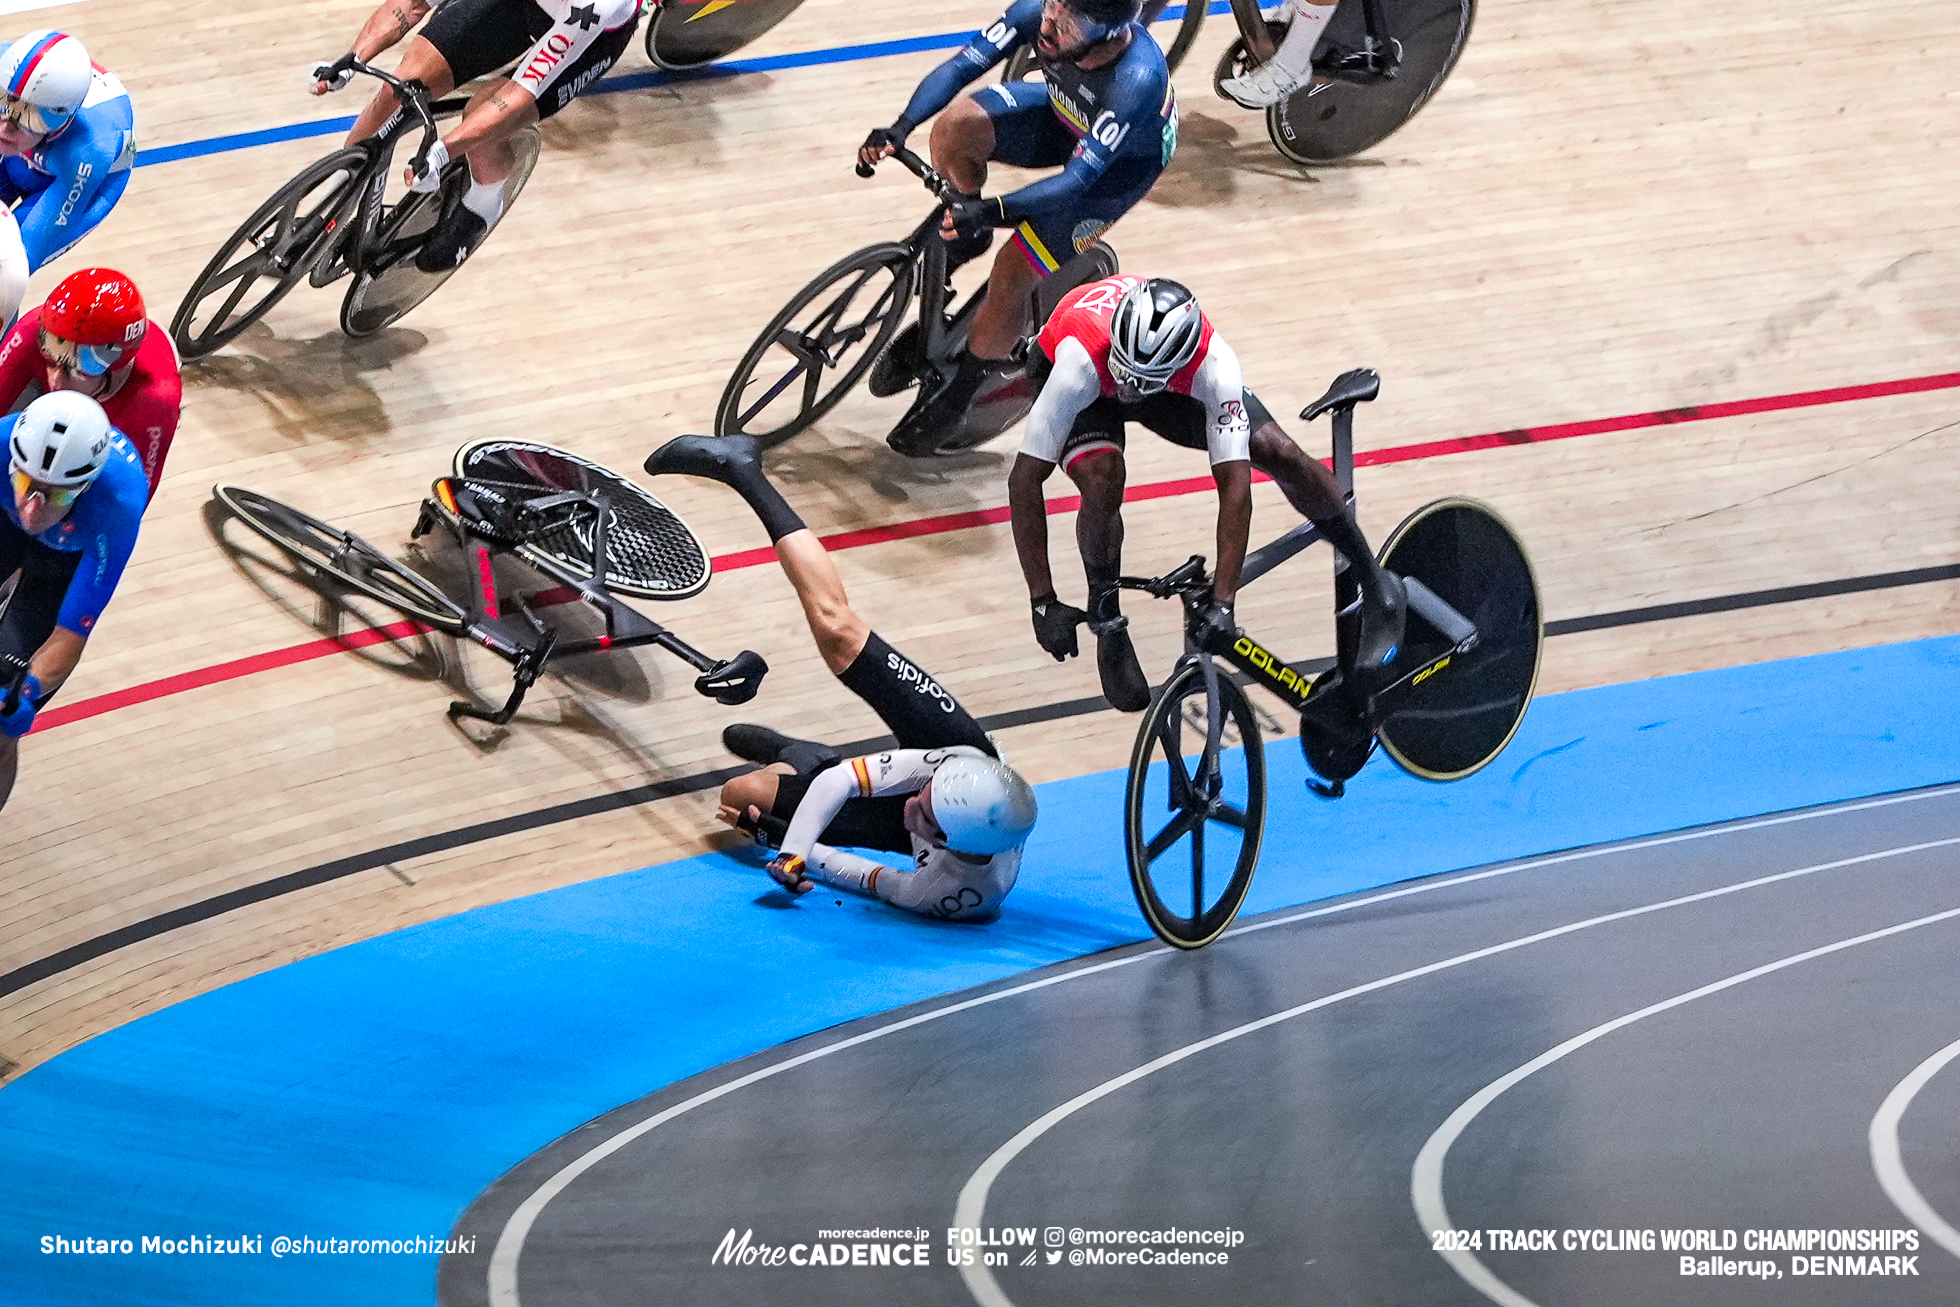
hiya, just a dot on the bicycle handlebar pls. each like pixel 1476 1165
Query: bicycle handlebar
pixel 412 93
pixel 16 673
pixel 1187 579
pixel 916 166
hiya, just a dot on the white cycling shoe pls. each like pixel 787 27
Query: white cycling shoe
pixel 1265 85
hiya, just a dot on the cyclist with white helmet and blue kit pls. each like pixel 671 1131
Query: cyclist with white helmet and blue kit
pixel 76 497
pixel 68 137
pixel 942 795
pixel 1104 113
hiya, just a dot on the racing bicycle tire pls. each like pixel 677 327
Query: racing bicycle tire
pixel 650 552
pixel 1463 714
pixel 345 557
pixel 1160 752
pixel 889 268
pixel 287 234
pixel 387 284
pixel 684 34
pixel 1339 119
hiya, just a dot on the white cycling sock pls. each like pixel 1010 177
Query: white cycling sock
pixel 484 199
pixel 1296 51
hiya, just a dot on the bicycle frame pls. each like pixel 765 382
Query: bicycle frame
pixel 529 647
pixel 1259 665
pixel 413 109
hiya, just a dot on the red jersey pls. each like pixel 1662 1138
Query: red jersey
pixel 1085 312
pixel 144 407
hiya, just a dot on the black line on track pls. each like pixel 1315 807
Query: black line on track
pixel 205 909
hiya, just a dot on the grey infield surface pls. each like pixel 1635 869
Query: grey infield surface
pixel 1745 1109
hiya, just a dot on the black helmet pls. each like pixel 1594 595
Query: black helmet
pixel 1105 17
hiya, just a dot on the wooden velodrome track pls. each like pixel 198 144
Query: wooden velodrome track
pixel 1611 209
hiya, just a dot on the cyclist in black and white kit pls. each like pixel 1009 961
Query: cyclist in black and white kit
pixel 561 47
pixel 942 796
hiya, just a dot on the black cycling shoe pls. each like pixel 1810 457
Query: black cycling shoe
pixel 1123 681
pixel 932 424
pixel 718 458
pixel 450 243
pixel 763 744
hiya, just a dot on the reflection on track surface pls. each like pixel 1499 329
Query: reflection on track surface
pixel 1284 1082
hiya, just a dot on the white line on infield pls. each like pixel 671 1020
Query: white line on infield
pixel 1426 1180
pixel 1890 1164
pixel 510 1240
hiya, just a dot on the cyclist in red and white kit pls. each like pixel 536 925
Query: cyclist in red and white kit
pixel 561 47
pixel 1126 349
pixel 93 337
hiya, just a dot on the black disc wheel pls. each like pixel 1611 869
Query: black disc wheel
pixel 1174 27
pixel 688 34
pixel 387 284
pixel 808 358
pixel 1461 713
pixel 1357 110
pixel 650 552
pixel 268 254
pixel 1195 810
pixel 344 557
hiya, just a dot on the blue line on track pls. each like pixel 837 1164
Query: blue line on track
pixel 842 54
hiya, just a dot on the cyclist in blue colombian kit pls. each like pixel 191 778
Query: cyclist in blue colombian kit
pixel 1106 114
pixel 68 137
pixel 77 494
pixel 560 48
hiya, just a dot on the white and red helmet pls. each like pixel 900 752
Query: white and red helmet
pixel 44 77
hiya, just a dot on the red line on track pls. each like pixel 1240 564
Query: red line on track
pixel 925 526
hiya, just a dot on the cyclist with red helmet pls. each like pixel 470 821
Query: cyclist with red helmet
pixel 93 337
pixel 1126 349
pixel 559 47
pixel 1104 113
pixel 68 524
pixel 67 142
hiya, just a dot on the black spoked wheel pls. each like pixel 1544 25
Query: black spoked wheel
pixel 267 255
pixel 1343 118
pixel 1462 714
pixel 650 552
pixel 1174 27
pixel 813 352
pixel 1195 811
pixel 690 33
pixel 388 284
pixel 345 557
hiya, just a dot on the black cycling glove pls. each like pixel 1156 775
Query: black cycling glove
pixel 1054 627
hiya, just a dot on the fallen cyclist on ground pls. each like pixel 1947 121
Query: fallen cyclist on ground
pixel 942 795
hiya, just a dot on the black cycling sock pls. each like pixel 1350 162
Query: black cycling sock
pixel 921 714
pixel 1105 602
pixel 756 490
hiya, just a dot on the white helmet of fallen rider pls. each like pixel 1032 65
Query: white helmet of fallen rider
pixel 44 77
pixel 1153 333
pixel 982 806
pixel 61 439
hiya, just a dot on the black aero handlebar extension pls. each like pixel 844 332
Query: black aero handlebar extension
pixel 414 96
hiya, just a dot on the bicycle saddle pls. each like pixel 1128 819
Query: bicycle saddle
pixel 734 681
pixel 1349 389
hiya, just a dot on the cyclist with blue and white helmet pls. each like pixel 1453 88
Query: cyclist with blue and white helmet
pixel 941 795
pixel 68 137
